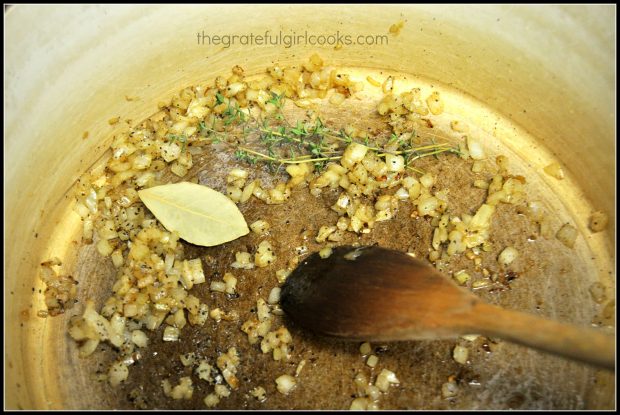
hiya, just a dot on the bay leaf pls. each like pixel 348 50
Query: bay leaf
pixel 199 214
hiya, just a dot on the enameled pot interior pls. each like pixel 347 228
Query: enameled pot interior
pixel 543 75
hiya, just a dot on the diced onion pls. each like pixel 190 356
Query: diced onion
pixel 88 347
pixel 482 219
pixel 211 400
pixel 170 151
pixel 449 389
pixel 264 255
pixel 325 252
pixel 231 283
pixel 567 235
pixel 282 274
pixel 481 184
pixel 259 227
pixel 460 354
pixel 427 206
pixel 427 180
pixel 285 384
pixel 188 359
pixel 324 233
pixel 259 393
pixel 216 314
pixel 139 338
pixel 365 348
pixel 354 153
pixel 385 379
pixel 184 390
pixel 336 99
pixel 218 286
pixel 459 126
pixel 395 163
pixel 104 248
pixel 118 373
pixel 435 104
pixel 462 277
pixel 243 261
pixel 598 221
pixel 222 391
pixel 470 337
pixel 475 148
pixel 508 255
pixel 359 404
pixel 554 170
pixel 402 194
pixel 81 210
pixel 262 310
pixel 117 258
pixel 274 295
pixel 372 360
pixel 597 291
pixel 171 334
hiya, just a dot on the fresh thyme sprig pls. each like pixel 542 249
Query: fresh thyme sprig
pixel 304 142
pixel 315 143
pixel 243 154
pixel 233 114
pixel 277 100
pixel 252 156
pixel 318 153
pixel 180 138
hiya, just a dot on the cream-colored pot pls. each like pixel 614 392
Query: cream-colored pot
pixel 547 69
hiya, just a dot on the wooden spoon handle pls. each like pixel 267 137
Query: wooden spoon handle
pixel 579 343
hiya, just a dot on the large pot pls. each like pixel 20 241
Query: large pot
pixel 547 69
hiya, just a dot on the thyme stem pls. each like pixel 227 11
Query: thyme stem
pixel 298 160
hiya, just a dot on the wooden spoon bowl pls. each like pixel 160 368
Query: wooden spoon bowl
pixel 377 294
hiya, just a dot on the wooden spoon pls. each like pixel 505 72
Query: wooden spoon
pixel 377 294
